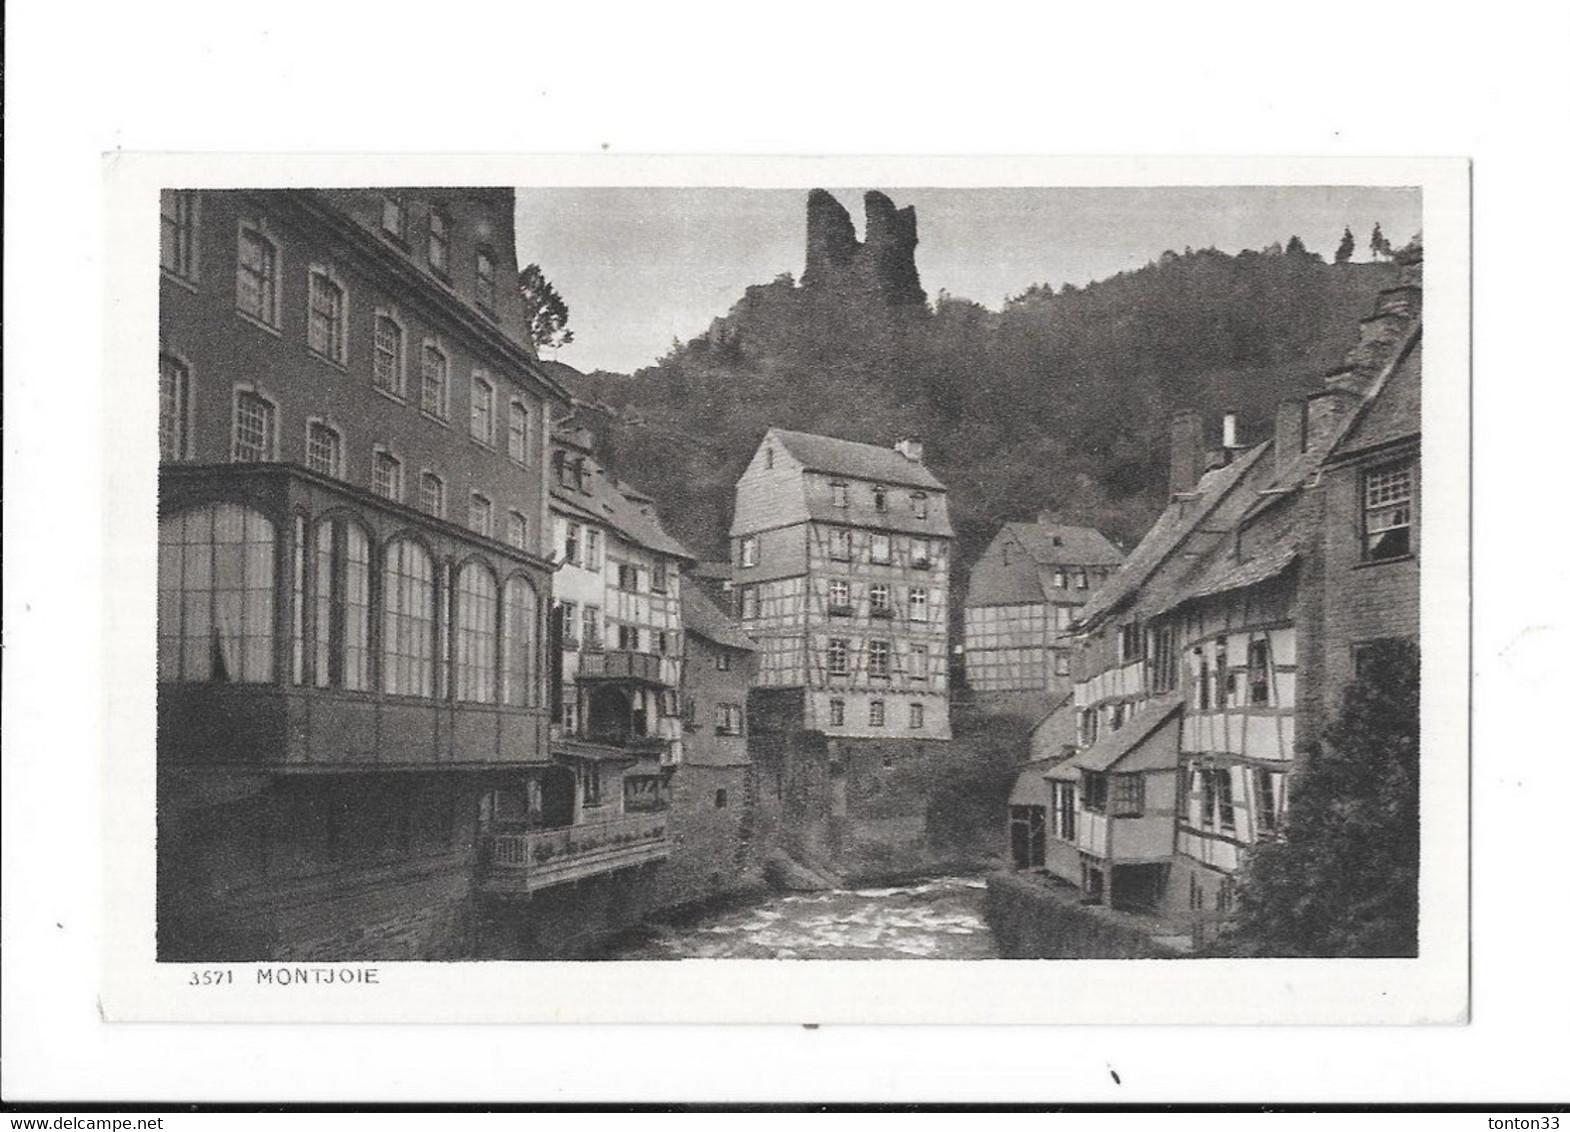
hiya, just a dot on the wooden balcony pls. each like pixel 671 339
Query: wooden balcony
pixel 516 864
pixel 620 664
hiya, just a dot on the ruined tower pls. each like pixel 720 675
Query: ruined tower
pixel 884 265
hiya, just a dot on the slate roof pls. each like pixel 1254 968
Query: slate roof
pixel 1113 746
pixel 635 521
pixel 1073 546
pixel 1176 523
pixel 1393 411
pixel 700 615
pixel 855 460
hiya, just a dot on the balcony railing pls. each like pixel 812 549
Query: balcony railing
pixel 619 664
pixel 530 861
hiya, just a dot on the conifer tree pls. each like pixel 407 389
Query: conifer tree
pixel 1347 246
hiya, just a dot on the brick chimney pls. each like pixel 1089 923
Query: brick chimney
pixel 1291 432
pixel 1328 410
pixel 1188 451
pixel 910 448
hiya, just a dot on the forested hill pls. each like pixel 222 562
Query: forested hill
pixel 1059 400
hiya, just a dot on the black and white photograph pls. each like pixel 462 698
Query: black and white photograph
pixel 662 573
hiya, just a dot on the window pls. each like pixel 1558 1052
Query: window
pixel 485 279
pixel 1216 794
pixel 722 661
pixel 719 799
pixel 387 361
pixel 433 381
pixel 1095 792
pixel 840 493
pixel 880 549
pixel 659 578
pixel 572 547
pixel 589 776
pixel 921 554
pixel 480 514
pixel 918 717
pixel 394 217
pixel 839 597
pixel 433 494
pixel 749 602
pixel 878 659
pixel 1089 725
pixel 749 550
pixel 878 596
pixel 1130 643
pixel 627 638
pixel 627 578
pixel 880 499
pixel 875 713
pixel 1063 811
pixel 1060 664
pixel 436 242
pixel 518 432
pixel 408 620
pixel 1223 689
pixel 839 656
pixel 518 530
pixel 1267 798
pixel 591 628
pixel 1060 579
pixel 918 505
pixel 727 719
pixel 215 595
pixel 482 410
pixel 174 398
pixel 342 625
pixel 1128 795
pixel 255 428
pixel 256 277
pixel 520 633
pixel 662 641
pixel 569 623
pixel 177 239
pixel 475 638
pixel 323 449
pixel 327 333
pixel 918 603
pixel 839 546
pixel 918 662
pixel 1259 671
pixel 592 549
pixel 836 713
pixel 297 641
pixel 768 458
pixel 1164 659
pixel 1082 580
pixel 1387 512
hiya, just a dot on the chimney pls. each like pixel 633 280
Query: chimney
pixel 1188 443
pixel 910 448
pixel 1229 430
pixel 1291 432
pixel 1327 411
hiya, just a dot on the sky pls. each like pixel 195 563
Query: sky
pixel 639 267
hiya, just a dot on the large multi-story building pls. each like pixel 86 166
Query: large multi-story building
pixel 353 567
pixel 840 561
pixel 1214 657
pixel 1025 591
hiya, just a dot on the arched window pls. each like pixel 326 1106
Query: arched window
pixel 215 595
pixel 520 636
pixel 475 639
pixel 409 620
pixel 174 398
pixel 343 605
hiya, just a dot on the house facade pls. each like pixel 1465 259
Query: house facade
pixel 1212 660
pixel 1025 592
pixel 353 570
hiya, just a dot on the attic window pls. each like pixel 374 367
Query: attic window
pixel 841 494
pixel 880 498
pixel 918 504
pixel 768 458
pixel 1057 540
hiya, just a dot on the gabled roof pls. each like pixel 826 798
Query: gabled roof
pixel 634 520
pixel 851 458
pixel 700 615
pixel 1393 410
pixel 1176 523
pixel 1058 544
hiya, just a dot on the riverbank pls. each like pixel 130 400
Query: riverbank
pixel 1036 916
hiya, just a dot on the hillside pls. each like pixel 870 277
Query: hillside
pixel 1058 400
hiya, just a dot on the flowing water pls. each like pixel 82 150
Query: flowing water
pixel 932 919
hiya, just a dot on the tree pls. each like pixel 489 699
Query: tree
pixel 544 312
pixel 1343 881
pixel 1295 246
pixel 1347 246
pixel 1378 244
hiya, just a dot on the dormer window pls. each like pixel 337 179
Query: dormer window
pixel 749 550
pixel 394 217
pixel 918 504
pixel 485 279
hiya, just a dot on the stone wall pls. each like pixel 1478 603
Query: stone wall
pixel 1034 918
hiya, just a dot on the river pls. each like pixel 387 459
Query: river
pixel 940 918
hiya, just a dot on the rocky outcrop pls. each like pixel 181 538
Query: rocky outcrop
pixel 884 265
